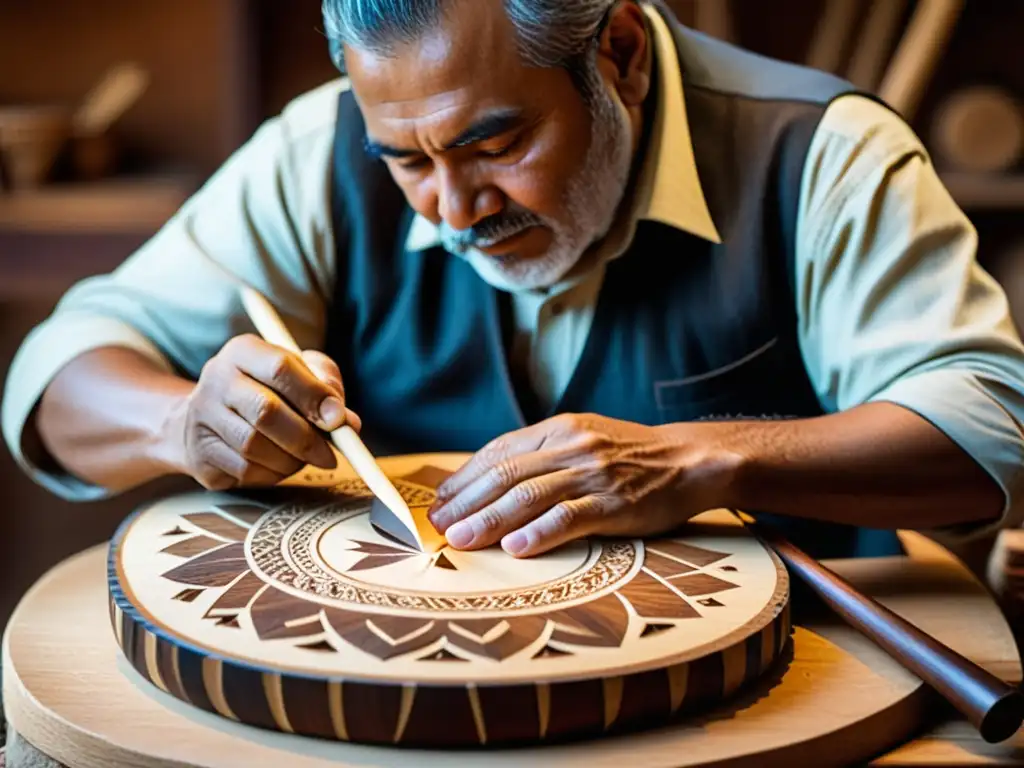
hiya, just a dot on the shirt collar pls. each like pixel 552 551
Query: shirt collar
pixel 669 189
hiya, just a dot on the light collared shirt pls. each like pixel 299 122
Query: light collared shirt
pixel 891 302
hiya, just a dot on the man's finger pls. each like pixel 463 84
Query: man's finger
pixel 272 416
pixel 498 450
pixel 253 445
pixel 325 369
pixel 564 522
pixel 287 374
pixel 495 482
pixel 245 473
pixel 517 507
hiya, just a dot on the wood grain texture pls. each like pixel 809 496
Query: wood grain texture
pixel 839 700
pixel 301 618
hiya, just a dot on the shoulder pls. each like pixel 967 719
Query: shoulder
pixel 313 113
pixel 854 155
pixel 862 121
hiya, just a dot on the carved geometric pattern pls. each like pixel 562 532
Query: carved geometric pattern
pixel 659 593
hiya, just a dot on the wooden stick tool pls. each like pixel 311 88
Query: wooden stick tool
pixel 418 532
pixel 992 706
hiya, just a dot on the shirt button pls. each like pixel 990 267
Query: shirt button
pixel 556 308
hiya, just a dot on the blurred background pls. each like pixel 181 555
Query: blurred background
pixel 113 111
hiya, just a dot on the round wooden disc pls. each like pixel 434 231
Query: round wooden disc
pixel 835 700
pixel 291 612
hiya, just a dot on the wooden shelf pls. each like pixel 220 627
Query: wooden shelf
pixel 976 191
pixel 123 205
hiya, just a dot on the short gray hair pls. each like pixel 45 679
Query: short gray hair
pixel 550 33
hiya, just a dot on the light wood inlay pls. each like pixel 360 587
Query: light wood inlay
pixel 275 698
pixel 478 713
pixel 118 625
pixel 152 667
pixel 678 677
pixel 336 704
pixel 734 668
pixel 213 681
pixel 543 707
pixel 408 698
pixel 767 646
pixel 176 667
pixel 612 699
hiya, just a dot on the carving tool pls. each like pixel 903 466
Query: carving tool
pixel 392 516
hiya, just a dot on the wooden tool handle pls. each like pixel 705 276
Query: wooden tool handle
pixel 270 326
pixel 992 706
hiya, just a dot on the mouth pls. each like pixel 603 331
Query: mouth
pixel 503 244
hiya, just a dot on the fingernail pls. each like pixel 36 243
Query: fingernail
pixel 459 535
pixel 514 543
pixel 332 412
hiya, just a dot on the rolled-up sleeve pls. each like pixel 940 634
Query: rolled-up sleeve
pixel 262 220
pixel 892 302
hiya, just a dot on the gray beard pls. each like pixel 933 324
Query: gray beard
pixel 592 197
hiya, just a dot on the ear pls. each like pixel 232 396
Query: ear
pixel 624 52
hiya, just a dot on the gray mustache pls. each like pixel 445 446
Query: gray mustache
pixel 493 229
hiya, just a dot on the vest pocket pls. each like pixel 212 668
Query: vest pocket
pixel 752 387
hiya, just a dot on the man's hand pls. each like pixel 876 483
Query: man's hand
pixel 578 475
pixel 254 416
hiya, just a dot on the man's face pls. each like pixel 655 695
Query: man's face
pixel 503 157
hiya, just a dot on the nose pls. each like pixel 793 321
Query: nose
pixel 463 202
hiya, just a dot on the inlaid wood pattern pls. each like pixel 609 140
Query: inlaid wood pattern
pixel 298 616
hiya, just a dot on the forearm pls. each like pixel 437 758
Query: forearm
pixel 105 418
pixel 877 465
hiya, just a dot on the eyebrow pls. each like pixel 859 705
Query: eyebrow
pixel 487 127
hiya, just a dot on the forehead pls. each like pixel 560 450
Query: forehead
pixel 467 64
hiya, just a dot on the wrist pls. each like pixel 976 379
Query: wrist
pixel 715 460
pixel 166 448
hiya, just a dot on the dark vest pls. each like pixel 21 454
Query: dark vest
pixel 684 329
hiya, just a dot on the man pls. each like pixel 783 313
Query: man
pixel 638 272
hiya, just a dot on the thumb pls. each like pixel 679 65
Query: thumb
pixel 327 371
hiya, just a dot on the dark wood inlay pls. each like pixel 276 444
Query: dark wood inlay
pixel 165 665
pixel 753 668
pixel 548 652
pixel 441 716
pixel 218 525
pixel 238 595
pixel 217 568
pixel 665 566
pixel 697 584
pixel 442 561
pixel 371 711
pixel 645 699
pixel 602 622
pixel 308 707
pixel 577 708
pixel 188 595
pixel 190 665
pixel 442 655
pixel 706 680
pixel 246 697
pixel 192 546
pixel 320 645
pixel 688 553
pixel 655 629
pixel 272 611
pixel 521 632
pixel 653 600
pixel 247 513
pixel 510 713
